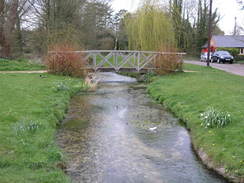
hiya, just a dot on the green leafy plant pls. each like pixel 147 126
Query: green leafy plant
pixel 27 126
pixel 213 118
pixel 61 86
pixel 148 77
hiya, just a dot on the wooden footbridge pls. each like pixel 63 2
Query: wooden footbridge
pixel 121 60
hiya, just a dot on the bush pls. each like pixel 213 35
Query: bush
pixel 213 118
pixel 62 59
pixel 168 61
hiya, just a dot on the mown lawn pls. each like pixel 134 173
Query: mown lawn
pixel 31 107
pixel 19 65
pixel 189 94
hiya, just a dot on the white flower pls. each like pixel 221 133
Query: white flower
pixel 201 114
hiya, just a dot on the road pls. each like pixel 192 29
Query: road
pixel 237 69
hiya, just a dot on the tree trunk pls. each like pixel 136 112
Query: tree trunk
pixel 2 36
pixel 19 40
pixel 7 27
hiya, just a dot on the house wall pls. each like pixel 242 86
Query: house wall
pixel 241 51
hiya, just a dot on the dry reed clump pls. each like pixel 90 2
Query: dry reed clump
pixel 63 60
pixel 91 81
pixel 168 61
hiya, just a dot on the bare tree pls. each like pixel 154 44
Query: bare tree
pixel 8 11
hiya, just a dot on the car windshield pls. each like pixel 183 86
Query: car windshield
pixel 224 53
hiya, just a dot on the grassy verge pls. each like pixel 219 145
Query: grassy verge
pixel 189 94
pixel 31 108
pixel 19 65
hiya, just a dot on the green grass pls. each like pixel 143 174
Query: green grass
pixel 31 108
pixel 19 65
pixel 189 94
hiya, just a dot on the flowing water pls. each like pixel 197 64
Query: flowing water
pixel 119 135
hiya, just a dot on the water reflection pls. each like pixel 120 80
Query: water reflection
pixel 119 135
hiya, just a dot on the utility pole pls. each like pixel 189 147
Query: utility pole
pixel 235 27
pixel 209 32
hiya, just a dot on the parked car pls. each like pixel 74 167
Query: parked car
pixel 204 56
pixel 222 56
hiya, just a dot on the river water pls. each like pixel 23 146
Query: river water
pixel 119 135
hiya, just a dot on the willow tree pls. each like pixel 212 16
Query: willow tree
pixel 150 28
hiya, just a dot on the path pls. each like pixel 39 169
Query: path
pixel 23 72
pixel 237 69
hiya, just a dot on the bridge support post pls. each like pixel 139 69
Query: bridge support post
pixel 95 62
pixel 116 62
pixel 138 61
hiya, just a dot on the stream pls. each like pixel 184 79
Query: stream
pixel 118 134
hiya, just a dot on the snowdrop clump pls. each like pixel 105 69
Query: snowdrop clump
pixel 213 118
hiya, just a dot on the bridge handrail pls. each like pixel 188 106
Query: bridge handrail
pixel 119 51
pixel 119 59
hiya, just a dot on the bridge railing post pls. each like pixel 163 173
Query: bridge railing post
pixel 116 64
pixel 95 61
pixel 138 61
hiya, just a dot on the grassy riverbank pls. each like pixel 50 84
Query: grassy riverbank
pixel 31 108
pixel 189 94
pixel 19 65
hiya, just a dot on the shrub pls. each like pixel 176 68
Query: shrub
pixel 213 118
pixel 168 61
pixel 62 59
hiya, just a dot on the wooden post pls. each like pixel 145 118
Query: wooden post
pixel 209 32
pixel 138 61
pixel 95 61
pixel 116 67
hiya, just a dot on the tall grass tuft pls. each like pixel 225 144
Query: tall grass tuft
pixel 168 61
pixel 63 60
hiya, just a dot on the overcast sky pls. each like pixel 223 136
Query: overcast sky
pixel 228 9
